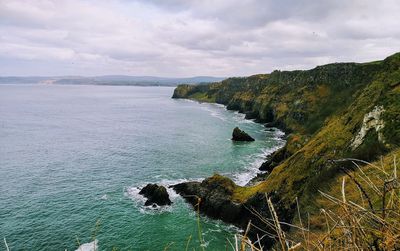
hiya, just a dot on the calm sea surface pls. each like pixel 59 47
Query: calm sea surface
pixel 72 159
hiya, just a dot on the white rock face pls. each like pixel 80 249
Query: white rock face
pixel 372 120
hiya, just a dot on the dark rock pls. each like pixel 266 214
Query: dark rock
pixel 251 115
pixel 239 135
pixel 258 203
pixel 214 198
pixel 394 84
pixel 269 115
pixel 259 177
pixel 300 117
pixel 278 124
pixel 156 195
pixel 233 106
pixel 267 166
pixel 275 159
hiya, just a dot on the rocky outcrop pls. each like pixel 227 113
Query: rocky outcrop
pixel 182 92
pixel 275 159
pixel 218 197
pixel 239 135
pixel 372 120
pixel 156 195
pixel 212 196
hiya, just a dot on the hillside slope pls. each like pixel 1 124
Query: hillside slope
pixel 330 112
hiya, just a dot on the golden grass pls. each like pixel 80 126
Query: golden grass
pixel 361 211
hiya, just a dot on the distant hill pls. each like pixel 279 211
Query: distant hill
pixel 109 80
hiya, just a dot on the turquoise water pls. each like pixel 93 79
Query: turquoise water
pixel 72 159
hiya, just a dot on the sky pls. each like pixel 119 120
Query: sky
pixel 182 38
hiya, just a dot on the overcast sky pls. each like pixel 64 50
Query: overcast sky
pixel 187 38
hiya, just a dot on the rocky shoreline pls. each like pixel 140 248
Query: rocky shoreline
pixel 334 111
pixel 216 196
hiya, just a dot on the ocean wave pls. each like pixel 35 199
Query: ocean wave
pixel 213 112
pixel 219 226
pixel 168 182
pixel 252 169
pixel 278 133
pixel 139 200
pixel 188 100
pixel 217 105
pixel 91 246
pixel 133 193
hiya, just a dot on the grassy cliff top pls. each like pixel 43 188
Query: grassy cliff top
pixel 324 109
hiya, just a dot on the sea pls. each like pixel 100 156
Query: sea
pixel 74 157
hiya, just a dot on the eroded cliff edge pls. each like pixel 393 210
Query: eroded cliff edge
pixel 330 112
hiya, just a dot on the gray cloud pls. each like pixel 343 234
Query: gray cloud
pixel 185 38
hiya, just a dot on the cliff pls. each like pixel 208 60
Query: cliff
pixel 341 110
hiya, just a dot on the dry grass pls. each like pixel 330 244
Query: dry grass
pixel 369 222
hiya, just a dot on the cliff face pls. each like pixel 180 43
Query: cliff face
pixel 330 112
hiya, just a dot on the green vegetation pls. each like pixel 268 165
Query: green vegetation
pixel 360 211
pixel 323 109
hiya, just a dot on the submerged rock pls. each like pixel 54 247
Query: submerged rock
pixel 239 135
pixel 155 194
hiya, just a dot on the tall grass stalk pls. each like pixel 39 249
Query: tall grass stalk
pixel 369 222
pixel 5 244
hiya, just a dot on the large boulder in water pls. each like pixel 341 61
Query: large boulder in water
pixel 155 194
pixel 239 135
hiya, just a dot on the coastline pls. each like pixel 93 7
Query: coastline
pixel 242 178
pixel 279 135
pixel 222 206
pixel 323 111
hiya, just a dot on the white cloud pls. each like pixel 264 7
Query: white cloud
pixel 185 38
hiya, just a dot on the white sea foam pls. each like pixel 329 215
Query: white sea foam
pixel 132 192
pixel 218 226
pixel 139 200
pixel 278 133
pixel 167 183
pixel 252 168
pixel 251 171
pixel 91 246
pixel 205 244
pixel 213 112
pixel 188 100
pixel 219 105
